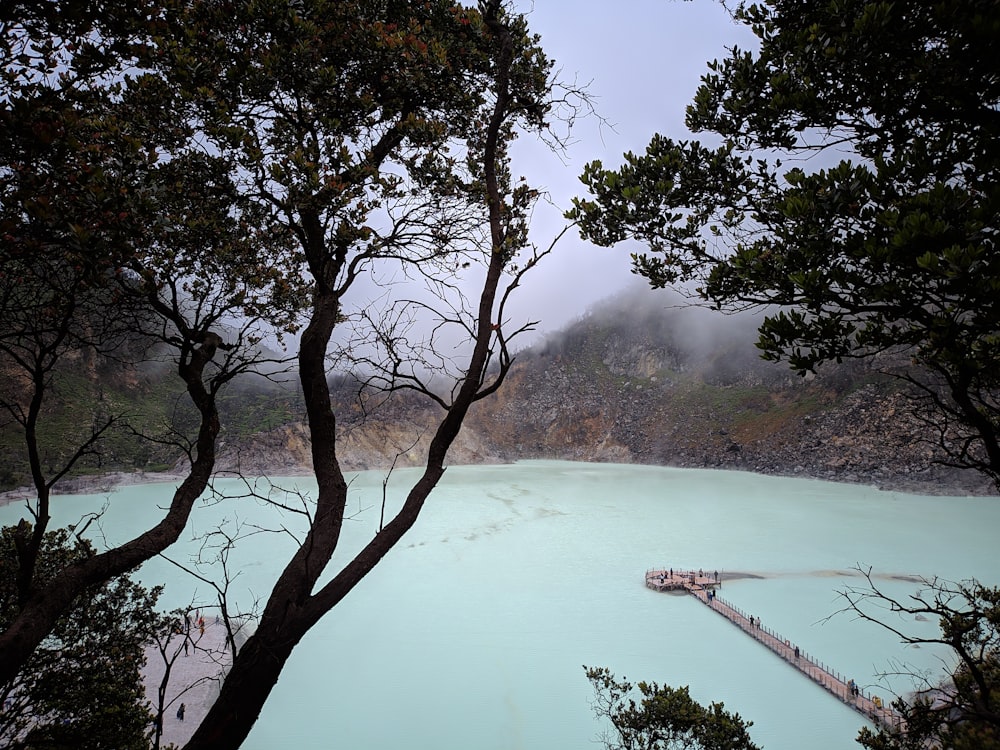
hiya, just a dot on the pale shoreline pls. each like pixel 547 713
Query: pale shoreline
pixel 89 485
pixel 102 483
pixel 195 677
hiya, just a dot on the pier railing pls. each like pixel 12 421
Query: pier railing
pixel 704 586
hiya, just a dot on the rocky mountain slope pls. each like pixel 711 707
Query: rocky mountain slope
pixel 629 382
pixel 634 384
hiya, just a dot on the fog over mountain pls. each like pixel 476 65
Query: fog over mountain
pixel 643 378
pixel 640 377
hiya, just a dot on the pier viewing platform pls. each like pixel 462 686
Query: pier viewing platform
pixel 704 584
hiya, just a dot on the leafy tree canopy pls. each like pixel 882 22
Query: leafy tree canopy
pixel 82 687
pixel 664 718
pixel 855 187
pixel 117 226
pixel 264 164
pixel 370 139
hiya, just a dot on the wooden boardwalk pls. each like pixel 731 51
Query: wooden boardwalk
pixel 703 585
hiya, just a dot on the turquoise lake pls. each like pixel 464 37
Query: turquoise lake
pixel 473 633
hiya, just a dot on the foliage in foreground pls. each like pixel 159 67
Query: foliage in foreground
pixel 664 718
pixel 961 711
pixel 82 687
pixel 256 169
pixel 957 711
pixel 118 232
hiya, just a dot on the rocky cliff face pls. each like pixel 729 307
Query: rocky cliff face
pixel 625 384
pixel 637 400
pixel 630 386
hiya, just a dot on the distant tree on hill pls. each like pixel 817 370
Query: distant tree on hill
pixel 664 718
pixel 854 194
pixel 82 687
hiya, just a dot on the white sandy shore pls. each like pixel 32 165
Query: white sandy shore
pixel 194 678
pixel 93 484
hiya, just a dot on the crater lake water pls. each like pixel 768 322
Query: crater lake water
pixel 472 633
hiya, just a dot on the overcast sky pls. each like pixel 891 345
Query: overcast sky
pixel 642 61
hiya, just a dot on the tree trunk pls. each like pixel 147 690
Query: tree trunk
pixel 293 607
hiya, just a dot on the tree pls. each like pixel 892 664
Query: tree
pixel 116 227
pixel 376 136
pixel 346 160
pixel 82 687
pixel 665 718
pixel 881 238
pixel 960 711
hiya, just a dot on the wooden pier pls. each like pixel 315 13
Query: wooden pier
pixel 704 584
